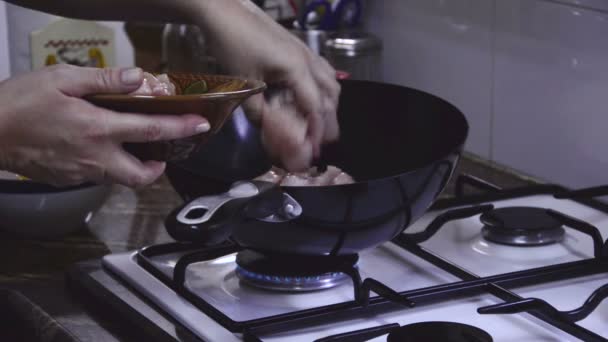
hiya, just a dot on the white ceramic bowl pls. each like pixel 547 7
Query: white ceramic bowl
pixel 35 210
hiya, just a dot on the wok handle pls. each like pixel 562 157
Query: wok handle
pixel 210 220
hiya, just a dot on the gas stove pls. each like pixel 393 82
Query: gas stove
pixel 525 264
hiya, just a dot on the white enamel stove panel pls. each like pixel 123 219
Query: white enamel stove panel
pixel 461 243
pixel 502 328
pixel 571 294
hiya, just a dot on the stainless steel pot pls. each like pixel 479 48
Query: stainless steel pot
pixel 357 52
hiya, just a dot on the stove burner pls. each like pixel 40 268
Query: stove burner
pixel 439 331
pixel 521 226
pixel 293 273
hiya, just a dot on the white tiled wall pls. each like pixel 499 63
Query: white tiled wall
pixel 125 55
pixel 4 57
pixel 442 47
pixel 551 99
pixel 531 76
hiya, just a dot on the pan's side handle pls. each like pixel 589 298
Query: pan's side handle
pixel 210 220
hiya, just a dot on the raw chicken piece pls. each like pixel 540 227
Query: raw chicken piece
pixel 312 177
pixel 155 86
pixel 333 176
pixel 343 178
pixel 166 84
pixel 275 175
pixel 296 179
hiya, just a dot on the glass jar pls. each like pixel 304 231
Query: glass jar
pixel 185 49
pixel 357 53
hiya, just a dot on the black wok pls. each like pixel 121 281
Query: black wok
pixel 400 145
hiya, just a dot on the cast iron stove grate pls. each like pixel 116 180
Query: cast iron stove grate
pixel 470 284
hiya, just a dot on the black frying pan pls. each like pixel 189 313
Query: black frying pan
pixel 401 146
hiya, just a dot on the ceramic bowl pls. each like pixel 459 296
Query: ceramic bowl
pixel 223 94
pixel 35 210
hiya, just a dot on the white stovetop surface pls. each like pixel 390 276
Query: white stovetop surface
pixel 459 242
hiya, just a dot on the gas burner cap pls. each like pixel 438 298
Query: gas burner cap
pixel 521 226
pixel 439 331
pixel 293 273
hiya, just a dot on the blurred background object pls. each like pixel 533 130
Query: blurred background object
pixel 36 39
pixel 147 44
pixel 357 52
pixel 184 48
pixel 335 30
pixel 5 65
pixel 75 42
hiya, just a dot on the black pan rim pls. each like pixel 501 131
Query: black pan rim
pixel 454 152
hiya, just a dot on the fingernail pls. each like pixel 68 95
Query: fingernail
pixel 131 76
pixel 203 128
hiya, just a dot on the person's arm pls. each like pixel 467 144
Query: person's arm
pixel 123 10
pixel 249 43
pixel 53 136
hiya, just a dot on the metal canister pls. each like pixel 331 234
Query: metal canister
pixel 356 52
pixel 314 39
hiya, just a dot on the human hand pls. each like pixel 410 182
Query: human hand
pixel 302 115
pixel 48 133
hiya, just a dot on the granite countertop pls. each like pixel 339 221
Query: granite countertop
pixel 36 302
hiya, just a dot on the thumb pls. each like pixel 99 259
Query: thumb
pixel 78 81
